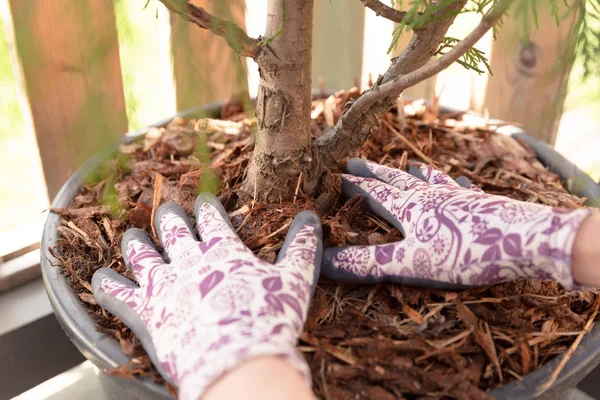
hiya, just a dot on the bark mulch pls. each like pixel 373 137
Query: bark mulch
pixel 382 341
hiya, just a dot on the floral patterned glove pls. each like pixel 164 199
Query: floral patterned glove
pixel 453 236
pixel 214 304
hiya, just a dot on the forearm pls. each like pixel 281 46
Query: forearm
pixel 264 378
pixel 586 253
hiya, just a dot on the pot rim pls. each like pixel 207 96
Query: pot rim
pixel 106 353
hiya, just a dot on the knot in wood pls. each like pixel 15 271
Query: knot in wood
pixel 528 58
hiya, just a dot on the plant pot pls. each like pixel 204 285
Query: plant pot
pixel 105 353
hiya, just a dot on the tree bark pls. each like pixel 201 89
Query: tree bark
pixel 384 10
pixel 283 156
pixel 357 122
pixel 235 36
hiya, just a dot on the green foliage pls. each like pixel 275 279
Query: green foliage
pixel 422 12
pixel 208 180
pixel 526 9
pixel 555 11
pixel 267 41
pixel 587 27
pixel 527 12
pixel 470 60
pixel 479 6
pixel 482 7
pixel 116 165
pixel 588 40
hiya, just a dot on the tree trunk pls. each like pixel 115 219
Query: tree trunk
pixel 283 152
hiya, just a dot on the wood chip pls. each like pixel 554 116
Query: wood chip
pixel 565 359
pixel 409 144
pixel 158 181
pixel 108 228
pixel 483 338
pixel 413 314
pixel 361 341
pixel 245 209
pixel 334 351
pixel 88 298
pixel 329 111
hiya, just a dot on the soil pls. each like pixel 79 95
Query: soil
pixel 382 341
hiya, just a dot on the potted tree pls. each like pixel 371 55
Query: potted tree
pixel 288 160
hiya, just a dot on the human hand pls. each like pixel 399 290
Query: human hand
pixel 212 304
pixel 453 236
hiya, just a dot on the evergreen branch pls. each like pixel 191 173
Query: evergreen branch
pixel 384 10
pixel 424 12
pixel 400 83
pixel 554 11
pixel 470 60
pixel 425 42
pixel 483 6
pixel 479 6
pixel 235 36
pixel 362 116
pixel 357 123
pixel 588 41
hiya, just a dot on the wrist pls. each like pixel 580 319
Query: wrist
pixel 586 253
pixel 264 378
pixel 198 378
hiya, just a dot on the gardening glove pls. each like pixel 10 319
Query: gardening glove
pixel 453 236
pixel 210 305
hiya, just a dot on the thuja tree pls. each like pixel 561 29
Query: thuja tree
pixel 284 146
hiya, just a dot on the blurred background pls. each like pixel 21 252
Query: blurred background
pixel 75 75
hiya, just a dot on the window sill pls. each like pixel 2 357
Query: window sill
pixel 23 305
pixel 23 268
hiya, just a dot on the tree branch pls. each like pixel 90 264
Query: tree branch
pixel 384 10
pixel 397 85
pixel 425 42
pixel 235 36
pixel 357 123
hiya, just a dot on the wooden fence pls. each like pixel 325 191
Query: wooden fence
pixel 66 55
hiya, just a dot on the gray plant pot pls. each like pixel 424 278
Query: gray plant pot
pixel 105 353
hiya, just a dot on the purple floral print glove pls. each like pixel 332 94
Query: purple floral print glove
pixel 453 236
pixel 212 304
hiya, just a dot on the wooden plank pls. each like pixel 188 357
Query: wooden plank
pixel 530 79
pixel 205 68
pixel 69 55
pixel 337 43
